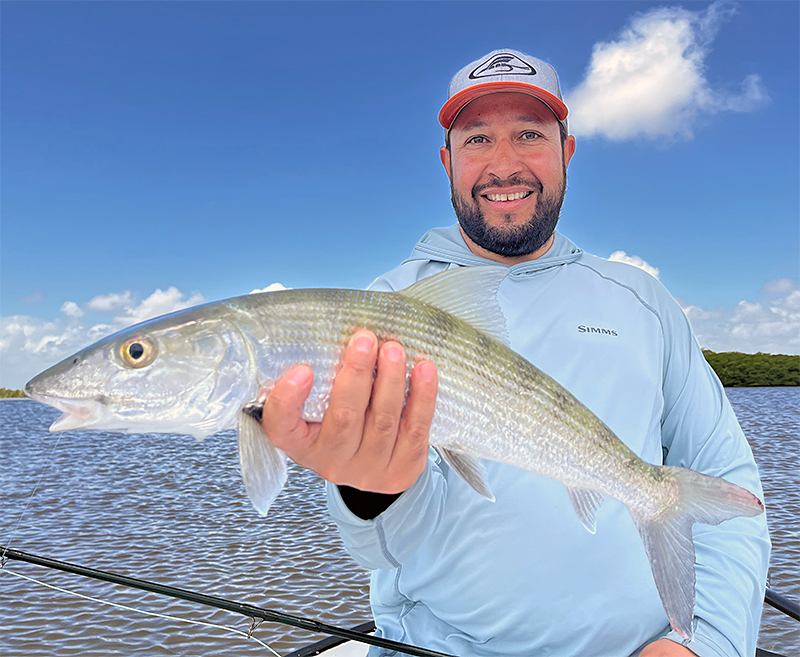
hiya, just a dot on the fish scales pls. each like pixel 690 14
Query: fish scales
pixel 476 376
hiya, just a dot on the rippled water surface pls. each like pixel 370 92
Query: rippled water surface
pixel 168 509
pixel 770 418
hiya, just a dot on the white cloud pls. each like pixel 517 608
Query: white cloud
pixel 770 325
pixel 158 303
pixel 779 286
pixel 99 331
pixel 651 82
pixel 71 309
pixel 272 287
pixel 636 261
pixel 36 297
pixel 110 301
pixel 29 345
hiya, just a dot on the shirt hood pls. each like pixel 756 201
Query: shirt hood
pixel 448 246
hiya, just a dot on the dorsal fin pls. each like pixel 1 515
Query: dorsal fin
pixel 469 293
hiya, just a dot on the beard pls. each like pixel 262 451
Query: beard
pixel 513 240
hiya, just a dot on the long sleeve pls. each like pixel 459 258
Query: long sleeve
pixel 389 539
pixel 700 431
pixel 457 573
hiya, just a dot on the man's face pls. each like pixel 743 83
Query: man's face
pixel 507 173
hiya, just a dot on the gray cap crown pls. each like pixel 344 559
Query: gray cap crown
pixel 503 70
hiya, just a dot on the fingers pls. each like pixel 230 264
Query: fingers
pixel 394 446
pixel 388 397
pixel 282 416
pixel 411 448
pixel 343 422
pixel 370 437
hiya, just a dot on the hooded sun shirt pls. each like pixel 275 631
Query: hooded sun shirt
pixel 456 573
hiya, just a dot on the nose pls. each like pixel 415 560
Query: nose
pixel 504 161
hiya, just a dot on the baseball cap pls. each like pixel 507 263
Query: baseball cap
pixel 503 70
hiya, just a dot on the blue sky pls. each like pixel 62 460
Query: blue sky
pixel 155 154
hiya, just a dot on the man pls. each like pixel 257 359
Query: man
pixel 453 571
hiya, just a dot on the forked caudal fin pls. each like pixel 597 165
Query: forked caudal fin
pixel 668 537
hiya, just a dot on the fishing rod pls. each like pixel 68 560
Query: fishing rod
pixel 246 610
pixel 782 604
pixel 774 599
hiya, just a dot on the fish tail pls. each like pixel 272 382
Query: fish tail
pixel 668 540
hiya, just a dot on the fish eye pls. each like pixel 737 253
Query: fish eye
pixel 138 351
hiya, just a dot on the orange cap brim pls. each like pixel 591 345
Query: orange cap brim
pixel 455 104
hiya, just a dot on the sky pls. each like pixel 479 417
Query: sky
pixel 157 155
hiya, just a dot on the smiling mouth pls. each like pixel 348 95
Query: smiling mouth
pixel 508 197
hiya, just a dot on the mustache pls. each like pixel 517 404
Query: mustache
pixel 513 181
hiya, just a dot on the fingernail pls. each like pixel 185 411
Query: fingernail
pixel 393 352
pixel 298 376
pixel 427 370
pixel 363 343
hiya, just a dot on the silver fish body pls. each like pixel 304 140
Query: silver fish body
pixel 195 370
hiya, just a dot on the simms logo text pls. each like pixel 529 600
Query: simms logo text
pixel 592 329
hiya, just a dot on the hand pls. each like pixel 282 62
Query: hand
pixel 666 648
pixel 366 439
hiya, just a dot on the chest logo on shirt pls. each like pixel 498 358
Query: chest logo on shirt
pixel 594 329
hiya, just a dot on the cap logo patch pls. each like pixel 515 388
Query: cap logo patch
pixel 502 64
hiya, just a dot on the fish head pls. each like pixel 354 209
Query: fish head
pixel 189 372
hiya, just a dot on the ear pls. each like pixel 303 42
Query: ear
pixel 444 154
pixel 569 149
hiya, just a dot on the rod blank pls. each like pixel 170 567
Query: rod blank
pixel 249 611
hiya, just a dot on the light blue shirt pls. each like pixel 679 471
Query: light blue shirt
pixel 457 573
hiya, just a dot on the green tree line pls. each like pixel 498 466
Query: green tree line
pixel 737 370
pixel 5 393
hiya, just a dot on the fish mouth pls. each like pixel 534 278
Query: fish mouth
pixel 78 413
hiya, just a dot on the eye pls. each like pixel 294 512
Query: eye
pixel 477 139
pixel 138 351
pixel 530 135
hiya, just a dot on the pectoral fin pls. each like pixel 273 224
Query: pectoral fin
pixel 263 465
pixel 469 469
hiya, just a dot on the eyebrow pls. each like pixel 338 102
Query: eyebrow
pixel 524 118
pixel 527 118
pixel 474 124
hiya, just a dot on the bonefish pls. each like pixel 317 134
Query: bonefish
pixel 198 371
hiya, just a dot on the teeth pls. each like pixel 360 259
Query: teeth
pixel 507 197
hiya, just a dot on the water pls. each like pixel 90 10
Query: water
pixel 165 509
pixel 173 511
pixel 770 418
